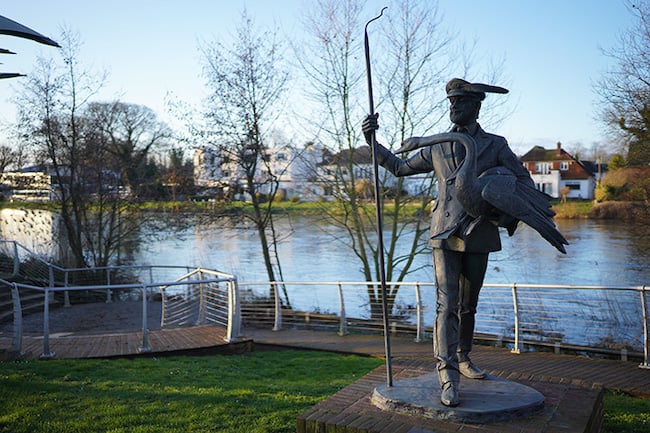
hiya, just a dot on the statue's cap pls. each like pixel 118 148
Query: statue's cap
pixel 460 87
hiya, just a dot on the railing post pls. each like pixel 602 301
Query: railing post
pixel 66 294
pixel 163 304
pixel 234 312
pixel 200 320
pixel 16 259
pixel 343 323
pixel 145 348
pixel 515 304
pixel 277 324
pixel 17 343
pixel 46 325
pixel 419 333
pixel 646 330
pixel 50 274
pixel 109 292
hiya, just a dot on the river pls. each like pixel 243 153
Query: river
pixel 600 252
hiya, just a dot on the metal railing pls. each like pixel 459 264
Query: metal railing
pixel 599 319
pixel 196 297
pixel 611 320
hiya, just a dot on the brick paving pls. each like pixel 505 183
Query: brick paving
pixel 567 408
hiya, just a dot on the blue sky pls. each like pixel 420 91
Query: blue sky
pixel 551 49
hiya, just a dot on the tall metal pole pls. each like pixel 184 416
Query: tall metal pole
pixel 380 236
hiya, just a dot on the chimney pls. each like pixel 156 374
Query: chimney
pixel 559 148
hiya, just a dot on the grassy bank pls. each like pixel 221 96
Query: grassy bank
pixel 573 209
pixel 256 392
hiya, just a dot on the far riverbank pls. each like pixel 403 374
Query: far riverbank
pixel 610 210
pixel 572 209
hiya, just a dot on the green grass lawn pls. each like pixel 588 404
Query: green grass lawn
pixel 625 414
pixel 256 392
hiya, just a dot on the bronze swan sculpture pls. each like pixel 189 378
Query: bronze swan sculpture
pixel 498 189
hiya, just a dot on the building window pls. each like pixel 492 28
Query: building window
pixel 545 187
pixel 573 186
pixel 564 165
pixel 543 167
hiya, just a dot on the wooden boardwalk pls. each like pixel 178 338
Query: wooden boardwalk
pixel 617 375
pixel 116 344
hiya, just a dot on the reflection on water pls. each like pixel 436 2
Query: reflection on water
pixel 602 252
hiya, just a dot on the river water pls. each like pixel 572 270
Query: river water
pixel 601 252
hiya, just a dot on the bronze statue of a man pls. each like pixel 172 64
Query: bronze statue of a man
pixel 461 243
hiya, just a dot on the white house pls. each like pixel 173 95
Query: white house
pixel 554 169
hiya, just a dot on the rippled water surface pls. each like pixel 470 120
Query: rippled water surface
pixel 600 253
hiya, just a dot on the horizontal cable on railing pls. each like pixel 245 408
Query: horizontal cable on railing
pixel 549 312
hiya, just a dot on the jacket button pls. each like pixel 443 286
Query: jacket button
pixel 446 214
pixel 450 181
pixel 449 198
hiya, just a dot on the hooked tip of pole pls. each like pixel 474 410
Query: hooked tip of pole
pixel 377 17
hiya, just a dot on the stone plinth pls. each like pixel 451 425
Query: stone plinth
pixel 481 401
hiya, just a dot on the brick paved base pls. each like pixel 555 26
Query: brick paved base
pixel 567 408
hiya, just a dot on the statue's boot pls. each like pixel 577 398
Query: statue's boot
pixel 470 371
pixel 449 380
pixel 449 394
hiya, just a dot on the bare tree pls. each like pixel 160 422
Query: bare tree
pixel 409 74
pixel 625 90
pixel 247 81
pixel 133 131
pixel 8 157
pixel 52 119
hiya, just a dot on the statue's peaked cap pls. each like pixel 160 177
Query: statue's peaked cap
pixel 460 87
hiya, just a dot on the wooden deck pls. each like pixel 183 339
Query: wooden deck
pixel 548 367
pixel 116 344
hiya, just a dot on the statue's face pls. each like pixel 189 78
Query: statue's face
pixel 463 110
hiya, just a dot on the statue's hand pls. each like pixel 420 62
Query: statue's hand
pixel 410 144
pixel 369 126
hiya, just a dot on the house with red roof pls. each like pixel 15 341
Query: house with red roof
pixel 554 169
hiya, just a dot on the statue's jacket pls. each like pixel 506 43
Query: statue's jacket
pixel 449 222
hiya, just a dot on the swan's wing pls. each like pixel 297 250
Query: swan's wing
pixel 525 203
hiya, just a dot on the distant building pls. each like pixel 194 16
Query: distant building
pixel 207 167
pixel 310 173
pixel 554 169
pixel 414 185
pixel 296 171
pixel 26 186
pixel 39 183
